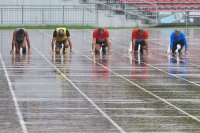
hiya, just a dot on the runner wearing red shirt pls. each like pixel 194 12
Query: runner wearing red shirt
pixel 100 40
pixel 139 37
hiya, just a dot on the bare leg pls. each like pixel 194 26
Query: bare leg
pixel 17 48
pixel 97 48
pixel 65 46
pixel 23 44
pixel 57 47
pixel 108 44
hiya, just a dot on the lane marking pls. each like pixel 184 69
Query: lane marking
pixel 19 114
pixel 152 94
pixel 120 109
pixel 82 93
pixel 174 75
pixel 131 82
pixel 168 46
pixel 173 57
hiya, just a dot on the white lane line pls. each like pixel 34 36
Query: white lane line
pixel 152 94
pixel 174 75
pixel 168 44
pixel 82 100
pixel 82 93
pixel 131 82
pixel 19 114
pixel 113 115
pixel 80 108
pixel 173 57
pixel 196 65
pixel 92 75
pixel 71 75
pixel 166 55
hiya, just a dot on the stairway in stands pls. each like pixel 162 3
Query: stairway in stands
pixel 118 7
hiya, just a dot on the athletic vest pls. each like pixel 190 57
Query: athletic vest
pixel 61 38
pixel 20 37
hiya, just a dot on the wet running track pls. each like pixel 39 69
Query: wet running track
pixel 47 93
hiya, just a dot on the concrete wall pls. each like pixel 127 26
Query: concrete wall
pixel 105 19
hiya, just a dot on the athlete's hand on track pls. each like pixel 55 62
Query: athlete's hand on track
pixel 170 52
pixel 71 52
pixel 29 51
pixel 132 52
pixel 52 51
pixel 92 52
pixel 186 52
pixel 11 51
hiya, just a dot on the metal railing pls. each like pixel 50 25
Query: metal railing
pixel 48 15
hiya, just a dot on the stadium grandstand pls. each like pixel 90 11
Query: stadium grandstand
pixel 109 13
pixel 170 12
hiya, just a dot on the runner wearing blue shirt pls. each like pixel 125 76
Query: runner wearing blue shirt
pixel 178 37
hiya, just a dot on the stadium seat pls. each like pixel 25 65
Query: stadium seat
pixel 167 0
pixel 160 1
pixel 152 0
pixel 190 1
pixel 172 5
pixel 163 1
pixel 175 0
pixel 134 0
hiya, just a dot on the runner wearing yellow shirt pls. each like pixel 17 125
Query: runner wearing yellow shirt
pixel 61 39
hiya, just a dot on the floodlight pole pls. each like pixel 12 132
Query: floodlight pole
pixel 125 8
pixel 156 14
pixel 186 18
pixel 156 5
pixel 94 1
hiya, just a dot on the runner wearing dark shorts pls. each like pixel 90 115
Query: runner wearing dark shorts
pixel 139 37
pixel 178 38
pixel 20 37
pixel 61 36
pixel 100 40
